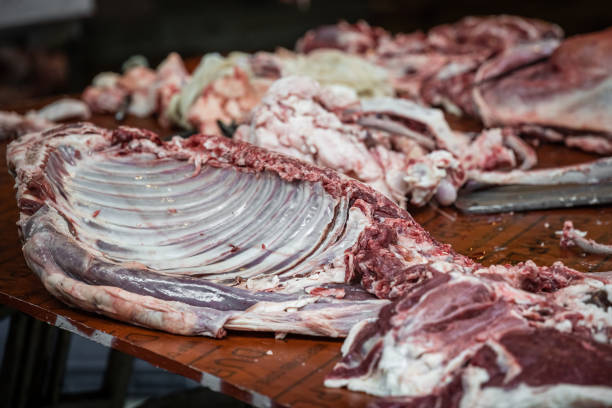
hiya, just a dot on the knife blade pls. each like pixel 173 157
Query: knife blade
pixel 529 197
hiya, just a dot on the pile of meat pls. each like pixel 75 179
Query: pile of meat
pixel 517 75
pixel 505 70
pixel 331 138
pixel 397 146
pixel 301 249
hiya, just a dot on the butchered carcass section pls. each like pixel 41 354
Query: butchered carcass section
pixel 569 93
pixel 505 70
pixel 381 141
pixel 199 235
pixel 397 146
pixel 441 66
pixel 494 338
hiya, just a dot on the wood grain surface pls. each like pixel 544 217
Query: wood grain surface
pixel 263 371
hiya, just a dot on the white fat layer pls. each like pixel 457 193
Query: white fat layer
pixel 262 282
pixel 505 361
pixel 553 396
pixel 575 298
pixel 348 342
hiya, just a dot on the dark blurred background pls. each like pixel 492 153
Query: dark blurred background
pixel 57 46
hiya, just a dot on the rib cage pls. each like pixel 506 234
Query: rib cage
pixel 215 222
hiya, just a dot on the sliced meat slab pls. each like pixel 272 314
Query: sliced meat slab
pixel 503 336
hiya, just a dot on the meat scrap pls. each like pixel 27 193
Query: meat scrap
pixel 571 236
pixel 13 124
pixel 140 91
pixel 221 89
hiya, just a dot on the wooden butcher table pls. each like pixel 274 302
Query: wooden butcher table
pixel 255 367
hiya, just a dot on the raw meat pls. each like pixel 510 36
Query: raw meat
pixel 395 145
pixel 332 128
pixel 224 89
pixel 504 336
pixel 141 91
pixel 300 249
pixel 13 124
pixel 441 67
pixel 570 92
pixel 358 38
pixel 221 89
pixel 505 70
pixel 158 243
pixel 574 237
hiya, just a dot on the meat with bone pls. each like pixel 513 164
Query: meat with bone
pixel 146 245
pixel 440 67
pixel 13 124
pixel 571 236
pixel 329 127
pixel 570 91
pixel 396 146
pixel 487 340
pixel 505 70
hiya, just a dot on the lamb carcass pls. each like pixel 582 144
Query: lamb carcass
pixel 440 67
pixel 505 70
pixel 120 223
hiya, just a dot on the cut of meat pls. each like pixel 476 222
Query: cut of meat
pixel 125 246
pixel 496 337
pixel 570 91
pixel 13 124
pixel 357 38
